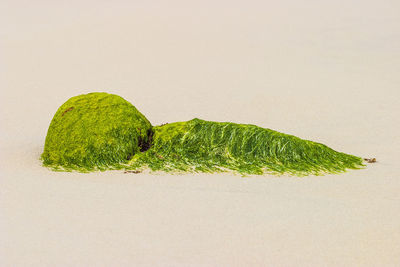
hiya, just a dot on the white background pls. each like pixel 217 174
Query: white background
pixel 327 71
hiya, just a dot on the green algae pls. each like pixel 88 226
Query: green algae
pixel 207 146
pixel 100 131
pixel 96 131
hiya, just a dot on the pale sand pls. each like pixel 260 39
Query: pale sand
pixel 326 72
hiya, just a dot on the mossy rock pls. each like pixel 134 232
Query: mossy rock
pixel 95 131
pixel 101 131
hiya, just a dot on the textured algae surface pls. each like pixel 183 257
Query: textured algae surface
pixel 96 131
pixel 206 146
pixel 100 131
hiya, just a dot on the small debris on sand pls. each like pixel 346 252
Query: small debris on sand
pixel 371 160
pixel 135 171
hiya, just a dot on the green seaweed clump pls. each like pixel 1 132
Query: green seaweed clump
pixel 96 131
pixel 207 146
pixel 101 131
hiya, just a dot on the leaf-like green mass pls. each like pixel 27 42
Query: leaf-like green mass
pixel 206 146
pixel 96 131
pixel 100 131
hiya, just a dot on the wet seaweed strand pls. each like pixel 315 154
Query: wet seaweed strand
pixel 207 146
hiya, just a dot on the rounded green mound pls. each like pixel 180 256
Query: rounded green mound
pixel 96 131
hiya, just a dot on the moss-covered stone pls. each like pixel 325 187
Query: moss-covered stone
pixel 95 131
pixel 100 131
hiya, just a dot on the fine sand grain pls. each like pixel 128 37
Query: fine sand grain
pixel 326 71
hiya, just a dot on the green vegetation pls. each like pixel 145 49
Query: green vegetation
pixel 206 146
pixel 96 131
pixel 99 131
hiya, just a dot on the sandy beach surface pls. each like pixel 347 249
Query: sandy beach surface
pixel 326 71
